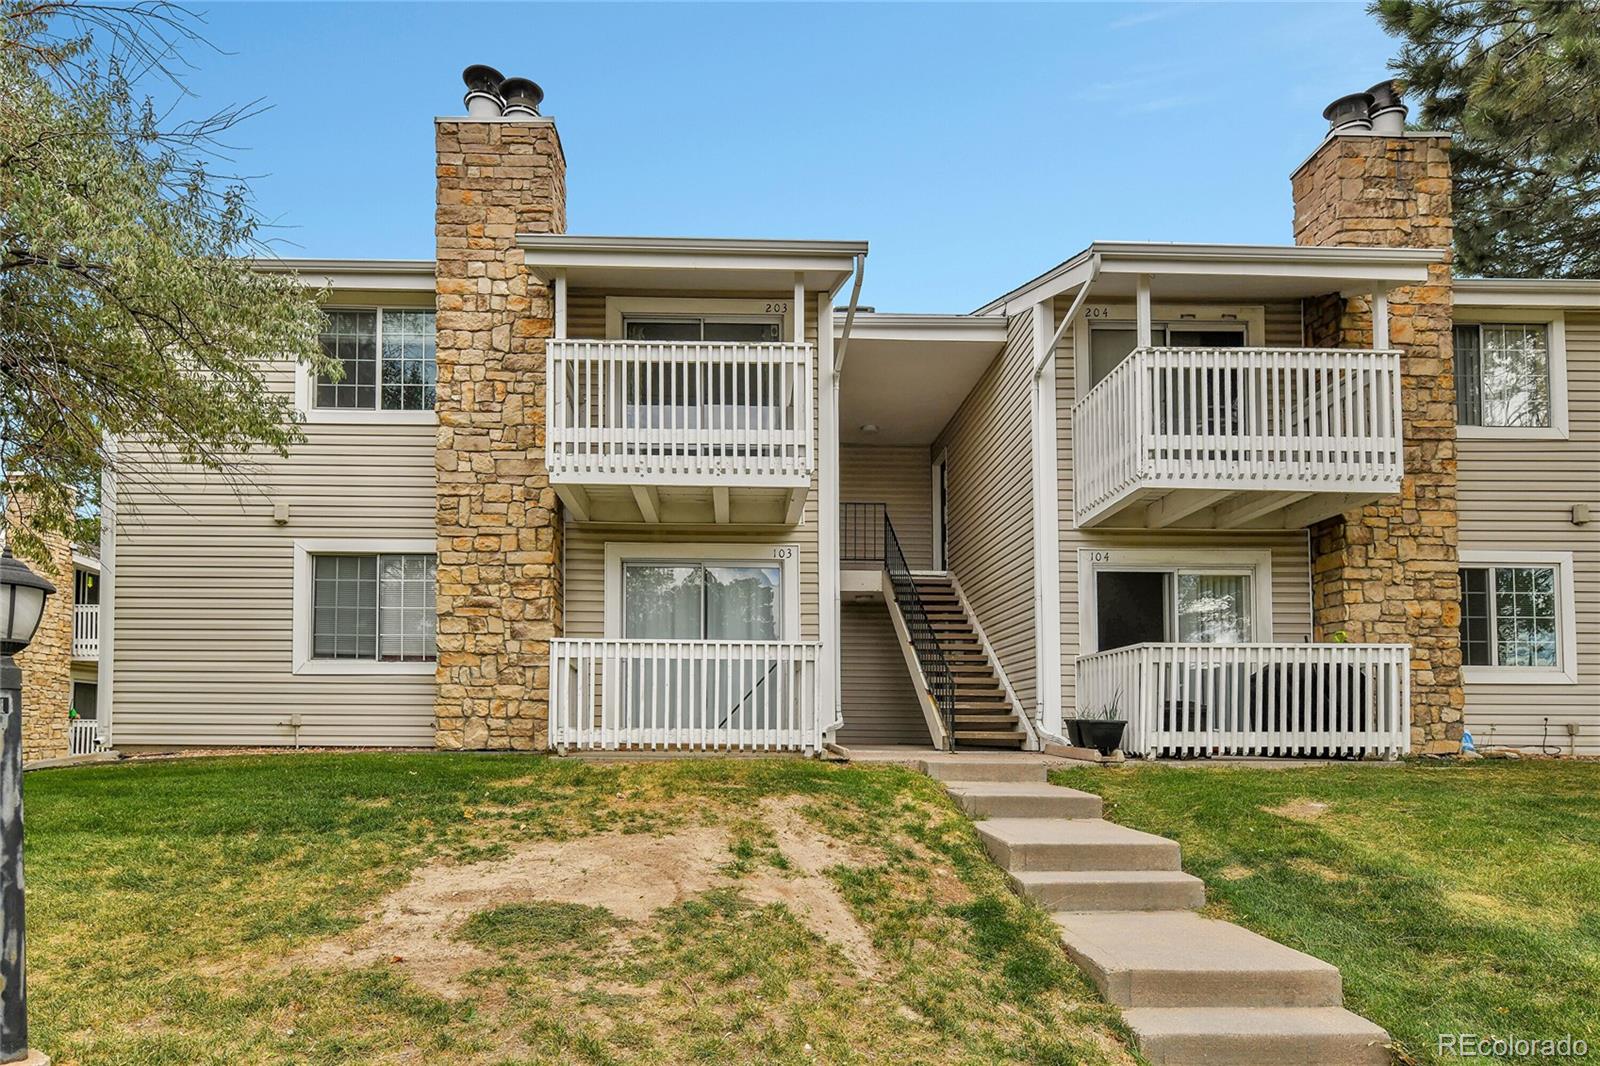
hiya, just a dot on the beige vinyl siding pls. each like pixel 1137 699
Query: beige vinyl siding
pixel 989 512
pixel 584 546
pixel 1291 568
pixel 1517 495
pixel 901 478
pixel 204 591
pixel 879 702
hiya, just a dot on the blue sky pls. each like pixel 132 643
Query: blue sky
pixel 973 144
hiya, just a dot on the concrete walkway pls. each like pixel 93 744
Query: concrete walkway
pixel 1193 990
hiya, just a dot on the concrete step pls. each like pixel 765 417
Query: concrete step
pixel 1010 768
pixel 990 738
pixel 1179 959
pixel 988 799
pixel 1019 844
pixel 1257 1036
pixel 1111 890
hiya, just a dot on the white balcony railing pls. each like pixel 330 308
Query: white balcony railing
pixel 632 412
pixel 84 737
pixel 86 631
pixel 688 694
pixel 1309 700
pixel 1315 420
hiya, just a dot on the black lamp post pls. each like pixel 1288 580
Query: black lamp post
pixel 22 596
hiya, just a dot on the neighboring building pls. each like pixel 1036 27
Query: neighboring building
pixel 61 666
pixel 579 491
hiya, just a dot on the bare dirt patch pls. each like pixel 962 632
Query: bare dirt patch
pixel 632 875
pixel 1300 810
pixel 1235 873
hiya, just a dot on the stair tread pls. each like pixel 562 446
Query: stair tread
pixel 1178 941
pixel 1100 877
pixel 1023 831
pixel 1018 789
pixel 1262 1021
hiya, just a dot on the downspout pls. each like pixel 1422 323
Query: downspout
pixel 850 314
pixel 828 422
pixel 1072 313
pixel 1045 726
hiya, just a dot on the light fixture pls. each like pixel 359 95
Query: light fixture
pixel 22 596
pixel 869 427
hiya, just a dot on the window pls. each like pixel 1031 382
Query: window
pixel 1503 375
pixel 388 360
pixel 1188 606
pixel 1111 344
pixel 373 607
pixel 1508 616
pixel 720 328
pixel 701 601
pixel 1517 617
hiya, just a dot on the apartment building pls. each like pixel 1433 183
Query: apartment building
pixel 587 492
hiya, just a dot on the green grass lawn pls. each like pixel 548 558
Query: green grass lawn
pixel 182 912
pixel 1454 898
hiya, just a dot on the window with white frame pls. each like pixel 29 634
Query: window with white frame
pixel 701 600
pixel 387 358
pixel 1155 596
pixel 1517 618
pixel 377 608
pixel 1503 375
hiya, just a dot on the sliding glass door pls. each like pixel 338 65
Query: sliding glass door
pixel 692 601
pixel 1155 606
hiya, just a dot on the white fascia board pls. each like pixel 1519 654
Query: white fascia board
pixel 545 253
pixel 989 329
pixel 1395 265
pixel 1527 292
pixel 400 275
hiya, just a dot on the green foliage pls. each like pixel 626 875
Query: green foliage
pixel 1518 84
pixel 128 305
pixel 539 925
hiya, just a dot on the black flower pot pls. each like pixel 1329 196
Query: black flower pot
pixel 1104 737
pixel 1074 735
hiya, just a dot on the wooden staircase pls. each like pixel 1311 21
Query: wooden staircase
pixel 984 717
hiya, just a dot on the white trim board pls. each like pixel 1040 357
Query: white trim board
pixel 304 549
pixel 757 553
pixel 1566 670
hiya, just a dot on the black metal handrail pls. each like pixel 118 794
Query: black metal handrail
pixel 861 528
pixel 867 535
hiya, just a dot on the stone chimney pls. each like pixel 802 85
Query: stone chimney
pixel 1388 572
pixel 46 663
pixel 499 580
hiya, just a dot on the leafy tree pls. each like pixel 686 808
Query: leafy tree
pixel 1518 84
pixel 129 305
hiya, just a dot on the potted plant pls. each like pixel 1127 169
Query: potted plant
pixel 1102 729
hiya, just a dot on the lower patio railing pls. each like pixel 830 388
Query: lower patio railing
pixel 84 736
pixel 685 694
pixel 1313 700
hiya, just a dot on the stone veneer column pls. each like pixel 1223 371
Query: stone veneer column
pixel 499 587
pixel 1388 572
pixel 46 664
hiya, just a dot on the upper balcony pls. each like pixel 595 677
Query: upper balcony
pixel 683 431
pixel 1231 438
pixel 682 374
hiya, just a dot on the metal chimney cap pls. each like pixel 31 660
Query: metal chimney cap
pixel 482 79
pixel 1385 94
pixel 521 95
pixel 1354 106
